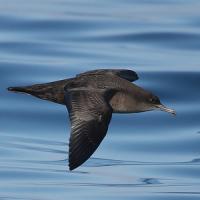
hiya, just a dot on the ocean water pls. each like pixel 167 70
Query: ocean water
pixel 145 156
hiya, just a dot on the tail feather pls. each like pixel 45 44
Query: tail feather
pixel 19 89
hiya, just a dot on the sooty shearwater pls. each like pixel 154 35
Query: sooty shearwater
pixel 91 98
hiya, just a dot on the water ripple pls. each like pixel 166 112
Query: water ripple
pixel 173 40
pixel 146 156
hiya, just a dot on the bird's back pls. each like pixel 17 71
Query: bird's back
pixel 122 100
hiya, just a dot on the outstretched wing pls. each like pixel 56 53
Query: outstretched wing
pixel 90 115
pixel 122 73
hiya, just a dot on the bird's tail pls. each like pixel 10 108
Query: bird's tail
pixel 19 89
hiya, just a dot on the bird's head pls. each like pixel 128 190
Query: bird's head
pixel 153 103
pixel 144 100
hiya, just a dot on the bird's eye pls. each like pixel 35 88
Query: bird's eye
pixel 154 100
pixel 151 100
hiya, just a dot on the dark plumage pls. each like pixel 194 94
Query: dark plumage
pixel 91 98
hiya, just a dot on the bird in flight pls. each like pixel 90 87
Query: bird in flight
pixel 91 98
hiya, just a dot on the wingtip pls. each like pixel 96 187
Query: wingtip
pixel 73 164
pixel 136 76
pixel 71 167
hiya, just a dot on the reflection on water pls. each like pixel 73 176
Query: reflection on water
pixel 147 156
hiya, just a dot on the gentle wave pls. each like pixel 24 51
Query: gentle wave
pixel 145 156
pixel 173 40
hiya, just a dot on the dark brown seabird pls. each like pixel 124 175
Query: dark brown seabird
pixel 91 98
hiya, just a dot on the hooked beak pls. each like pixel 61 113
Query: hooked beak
pixel 165 109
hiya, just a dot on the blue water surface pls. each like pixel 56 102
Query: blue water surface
pixel 146 156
